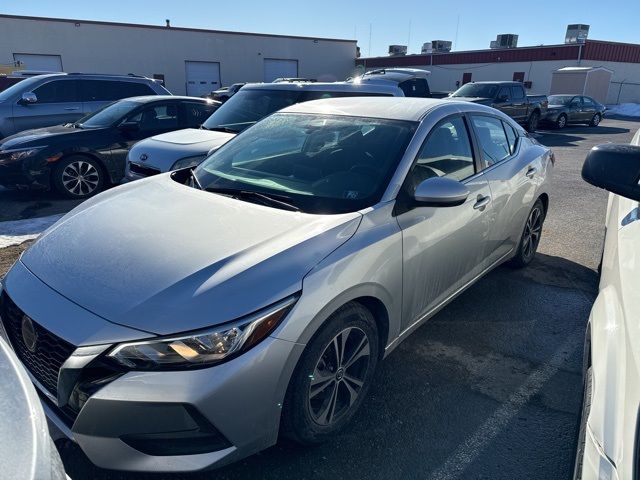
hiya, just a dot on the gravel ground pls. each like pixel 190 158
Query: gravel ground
pixel 490 388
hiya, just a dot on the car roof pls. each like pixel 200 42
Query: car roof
pixel 395 75
pixel 159 98
pixel 499 82
pixel 324 87
pixel 396 108
pixel 96 76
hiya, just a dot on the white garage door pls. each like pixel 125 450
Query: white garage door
pixel 45 63
pixel 276 68
pixel 202 78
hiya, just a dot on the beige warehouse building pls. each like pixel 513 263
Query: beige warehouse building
pixel 189 60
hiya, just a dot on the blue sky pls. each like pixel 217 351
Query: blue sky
pixel 537 22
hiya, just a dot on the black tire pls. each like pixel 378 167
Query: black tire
pixel 532 122
pixel 301 417
pixel 595 120
pixel 533 230
pixel 78 176
pixel 582 429
pixel 561 121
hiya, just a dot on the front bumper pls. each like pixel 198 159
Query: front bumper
pixel 171 421
pixel 31 173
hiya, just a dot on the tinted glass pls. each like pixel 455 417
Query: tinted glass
pixel 320 163
pixel 481 90
pixel 446 153
pixel 155 118
pixel 504 93
pixel 517 93
pixel 587 102
pixel 197 113
pixel 511 137
pixel 248 105
pixel 492 138
pixel 22 86
pixel 57 91
pixel 109 90
pixel 414 88
pixel 560 99
pixel 108 115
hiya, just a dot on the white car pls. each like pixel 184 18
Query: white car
pixel 609 442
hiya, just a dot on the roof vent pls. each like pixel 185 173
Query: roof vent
pixel 505 40
pixel 168 23
pixel 441 46
pixel 397 50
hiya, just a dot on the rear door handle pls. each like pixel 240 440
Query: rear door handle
pixel 531 172
pixel 72 108
pixel 481 202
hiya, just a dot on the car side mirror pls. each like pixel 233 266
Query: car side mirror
pixel 129 127
pixel 614 167
pixel 28 98
pixel 440 192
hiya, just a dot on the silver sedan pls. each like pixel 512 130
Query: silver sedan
pixel 184 321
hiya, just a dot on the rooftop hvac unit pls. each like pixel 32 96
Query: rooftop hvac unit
pixel 576 33
pixel 397 50
pixel 505 40
pixel 427 48
pixel 441 46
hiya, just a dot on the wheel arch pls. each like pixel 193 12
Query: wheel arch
pixel 544 198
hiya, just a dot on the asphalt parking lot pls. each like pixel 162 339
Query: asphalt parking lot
pixel 490 388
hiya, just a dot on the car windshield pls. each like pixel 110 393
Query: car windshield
pixel 107 116
pixel 250 105
pixel 480 90
pixel 22 86
pixel 315 163
pixel 560 99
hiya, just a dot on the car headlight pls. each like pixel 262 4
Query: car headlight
pixel 187 162
pixel 8 156
pixel 204 348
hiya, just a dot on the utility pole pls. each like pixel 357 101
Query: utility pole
pixel 369 40
pixel 409 40
pixel 455 42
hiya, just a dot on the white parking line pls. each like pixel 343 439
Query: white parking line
pixel 467 452
pixel 15 232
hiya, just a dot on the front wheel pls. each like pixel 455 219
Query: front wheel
pixel 561 122
pixel 78 177
pixel 333 376
pixel 595 120
pixel 530 237
pixel 532 123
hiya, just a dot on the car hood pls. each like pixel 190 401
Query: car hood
pixel 162 151
pixel 162 257
pixel 480 100
pixel 39 136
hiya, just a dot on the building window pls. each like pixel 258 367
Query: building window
pixel 518 76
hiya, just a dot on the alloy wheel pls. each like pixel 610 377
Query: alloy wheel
pixel 339 376
pixel 562 121
pixel 532 231
pixel 80 178
pixel 596 120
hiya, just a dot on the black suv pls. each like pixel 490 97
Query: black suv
pixel 78 159
pixel 53 99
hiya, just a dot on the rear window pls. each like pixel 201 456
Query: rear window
pixel 109 90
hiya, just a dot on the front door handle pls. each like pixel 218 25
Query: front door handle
pixel 72 108
pixel 531 172
pixel 481 202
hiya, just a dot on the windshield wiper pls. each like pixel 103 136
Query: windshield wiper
pixel 264 198
pixel 220 129
pixel 194 180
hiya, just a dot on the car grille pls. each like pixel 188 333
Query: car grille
pixel 50 351
pixel 142 170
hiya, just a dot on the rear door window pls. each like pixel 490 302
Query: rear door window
pixel 195 114
pixel 517 94
pixel 415 87
pixel 57 91
pixel 492 139
pixel 511 137
pixel 109 90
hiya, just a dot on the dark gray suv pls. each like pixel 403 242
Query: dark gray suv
pixel 58 98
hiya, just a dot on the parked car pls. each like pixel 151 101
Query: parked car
pixel 225 93
pixel 412 81
pixel 79 159
pixel 45 100
pixel 609 435
pixel 567 109
pixel 256 294
pixel 26 449
pixel 187 148
pixel 508 97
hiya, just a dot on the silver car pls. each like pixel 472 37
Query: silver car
pixel 184 321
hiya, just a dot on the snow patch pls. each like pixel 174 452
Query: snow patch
pixel 15 232
pixel 625 109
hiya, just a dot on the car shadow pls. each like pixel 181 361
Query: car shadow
pixel 490 387
pixel 22 204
